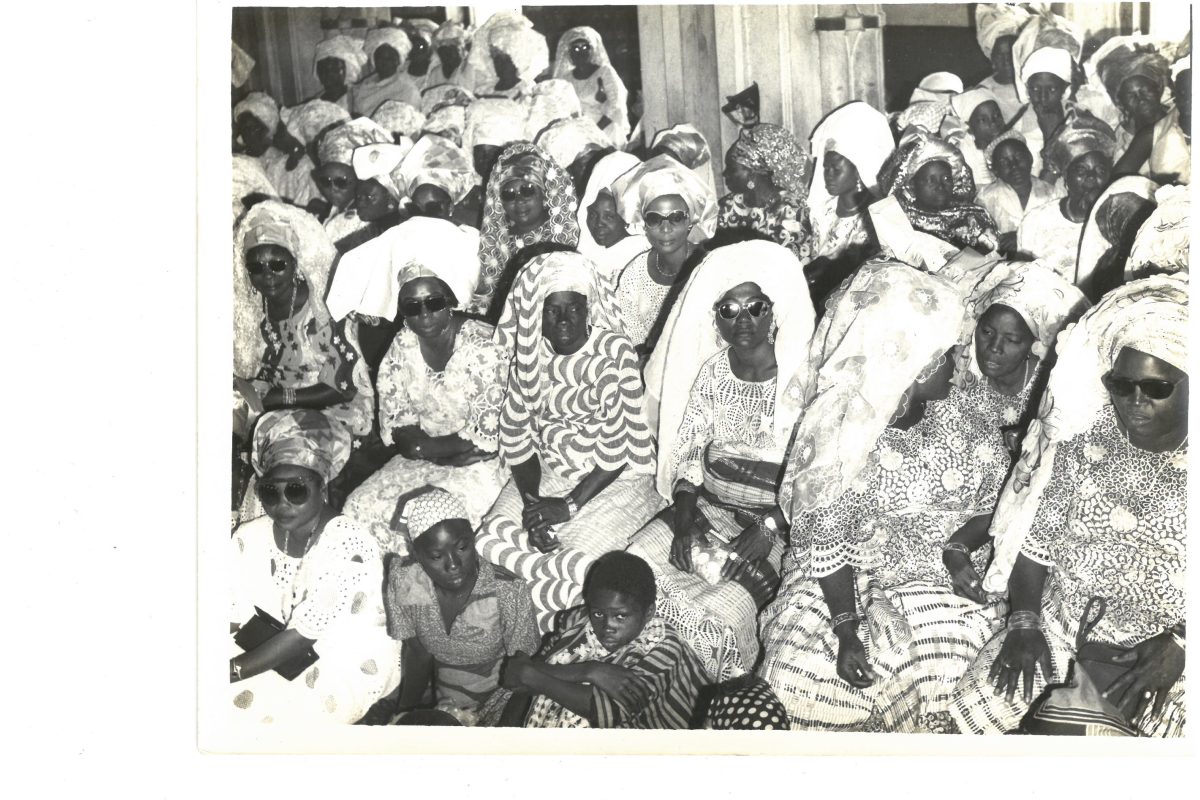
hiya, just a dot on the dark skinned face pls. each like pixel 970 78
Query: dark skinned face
pixel 933 186
pixel 331 72
pixel 426 324
pixel 484 157
pixel 506 70
pixel 839 173
pixel 1141 100
pixel 564 321
pixel 386 60
pixel 373 201
pixel 1086 178
pixel 1183 100
pixel 285 514
pixel 1152 424
pixel 667 237
pixel 603 221
pixel 420 56
pixel 986 123
pixel 337 183
pixel 737 177
pixel 432 201
pixel 272 270
pixel 616 618
pixel 1046 93
pixel 447 554
pixel 1002 343
pixel 1012 163
pixel 450 56
pixel 524 205
pixel 256 137
pixel 745 332
pixel 580 53
pixel 1002 60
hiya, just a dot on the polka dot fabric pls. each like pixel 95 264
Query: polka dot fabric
pixel 750 707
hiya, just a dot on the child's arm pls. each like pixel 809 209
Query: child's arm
pixel 522 674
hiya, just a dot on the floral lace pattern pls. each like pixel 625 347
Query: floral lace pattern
pixel 784 221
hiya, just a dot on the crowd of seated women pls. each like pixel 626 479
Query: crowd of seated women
pixel 532 428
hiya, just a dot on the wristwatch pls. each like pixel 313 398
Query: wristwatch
pixel 767 523
pixel 572 506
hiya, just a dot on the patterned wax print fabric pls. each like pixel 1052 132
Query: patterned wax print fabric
pixel 750 705
pixel 497 245
pixel 496 622
pixel 662 664
pixel 1003 204
pixel 784 221
pixel 331 595
pixel 463 399
pixel 918 487
pixel 1111 523
pixel 833 234
pixel 602 95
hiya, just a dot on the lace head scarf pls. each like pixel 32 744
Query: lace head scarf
pixel 393 37
pixel 772 150
pixel 563 66
pixel 520 42
pixel 548 102
pixel 1150 315
pixel 349 50
pixel 525 161
pixel 493 121
pixel 399 118
pixel 337 145
pixel 1163 240
pixel 428 509
pixel 300 437
pixel 568 139
pixel 306 121
pixel 297 231
pixel 881 329
pixel 262 107
pixel 688 339
pixel 659 177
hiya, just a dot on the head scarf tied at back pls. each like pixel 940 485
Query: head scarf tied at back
pixel 1131 59
pixel 520 328
pixel 1044 301
pixel 1150 315
pixel 438 161
pixel 568 139
pixel 659 177
pixel 882 328
pixel 1047 43
pixel 1080 134
pixel 399 118
pixel 994 20
pixel 858 133
pixel 300 437
pixel 963 223
pixel 306 121
pixel 493 121
pixel 1163 240
pixel 688 339
pixel 298 232
pixel 528 162
pixel 337 145
pixel 549 102
pixel 369 277
pixel 772 150
pixel 393 37
pixel 689 147
pixel 604 174
pixel 1114 220
pixel 262 107
pixel 349 50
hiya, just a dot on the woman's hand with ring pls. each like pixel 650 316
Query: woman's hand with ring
pixel 1022 652
pixel 1155 666
pixel 964 580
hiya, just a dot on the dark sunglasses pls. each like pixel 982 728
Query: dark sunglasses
pixel 732 309
pixel 1153 388
pixel 258 267
pixel 433 304
pixel 656 220
pixel 526 191
pixel 296 492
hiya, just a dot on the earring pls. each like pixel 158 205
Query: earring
pixel 771 334
pixel 750 184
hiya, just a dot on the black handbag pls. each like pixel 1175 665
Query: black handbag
pixel 262 627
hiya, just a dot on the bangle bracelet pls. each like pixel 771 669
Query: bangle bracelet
pixel 572 506
pixel 237 669
pixel 1024 621
pixel 289 396
pixel 1177 639
pixel 956 547
pixel 847 616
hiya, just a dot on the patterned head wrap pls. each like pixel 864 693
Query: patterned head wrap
pixel 493 121
pixel 1150 315
pixel 306 121
pixel 685 143
pixel 369 277
pixel 300 437
pixel 549 102
pixel 349 50
pixel 446 94
pixel 525 46
pixel 393 37
pixel 398 117
pixel 1080 134
pixel 772 150
pixel 1012 134
pixel 1047 43
pixel 880 330
pixel 658 177
pixel 262 107
pixel 563 66
pixel 964 105
pixel 528 162
pixel 604 175
pixel 381 162
pixel 428 509
pixel 449 122
pixel 273 222
pixel 857 132
pixel 994 20
pixel 438 161
pixel 337 145
pixel 249 177
pixel 1124 57
pixel 568 139
pixel 520 326
pixel 682 351
pixel 1111 222
pixel 1163 240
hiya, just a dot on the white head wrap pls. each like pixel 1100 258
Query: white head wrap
pixel 398 117
pixel 994 20
pixel 658 177
pixel 549 102
pixel 493 121
pixel 306 121
pixel 1055 35
pixel 937 87
pixel 511 33
pixel 249 177
pixel 1150 315
pixel 857 132
pixel 262 107
pixel 566 140
pixel 349 50
pixel 394 38
pixel 563 66
pixel 369 277
pixel 382 162
pixel 881 329
pixel 1162 242
pixel 964 105
pixel 689 339
pixel 338 144
pixel 438 161
pixel 604 175
pixel 1094 244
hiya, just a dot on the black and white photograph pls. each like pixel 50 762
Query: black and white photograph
pixel 800 371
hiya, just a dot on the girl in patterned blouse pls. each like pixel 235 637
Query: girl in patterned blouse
pixel 866 632
pixel 572 432
pixel 1097 507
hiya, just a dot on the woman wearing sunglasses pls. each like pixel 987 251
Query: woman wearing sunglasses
pixel 573 433
pixel 288 351
pixel 440 385
pixel 582 59
pixel 317 575
pixel 767 173
pixel 730 350
pixel 334 174
pixel 529 199
pixel 677 212
pixel 867 633
pixel 1097 507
